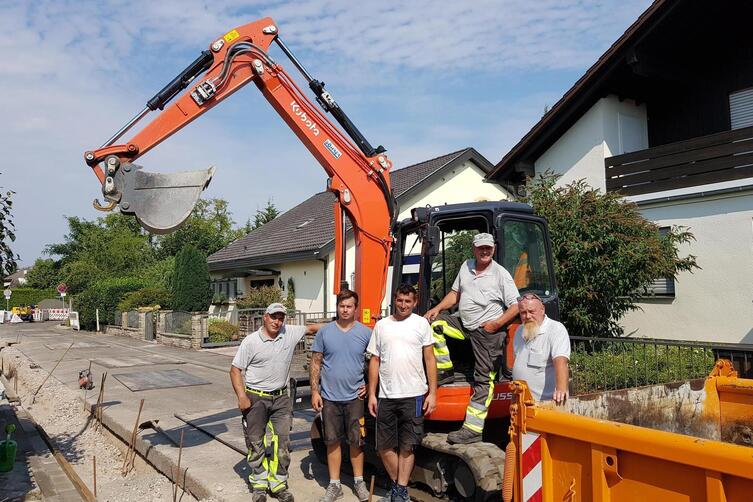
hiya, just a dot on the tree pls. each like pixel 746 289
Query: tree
pixel 208 229
pixel 265 215
pixel 109 247
pixel 44 274
pixel 7 234
pixel 606 255
pixel 290 298
pixel 191 292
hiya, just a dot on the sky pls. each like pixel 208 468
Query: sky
pixel 423 78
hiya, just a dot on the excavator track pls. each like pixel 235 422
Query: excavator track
pixel 484 463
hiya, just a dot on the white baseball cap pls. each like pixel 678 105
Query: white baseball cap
pixel 483 240
pixel 276 308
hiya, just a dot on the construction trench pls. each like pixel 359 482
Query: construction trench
pixel 185 393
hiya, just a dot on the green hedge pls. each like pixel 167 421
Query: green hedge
pixel 258 298
pixel 608 366
pixel 105 296
pixel 146 297
pixel 22 297
pixel 221 331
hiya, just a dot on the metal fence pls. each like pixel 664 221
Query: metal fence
pixel 133 319
pixel 598 364
pixel 117 318
pixel 177 321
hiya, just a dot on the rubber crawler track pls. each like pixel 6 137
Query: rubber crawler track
pixel 485 460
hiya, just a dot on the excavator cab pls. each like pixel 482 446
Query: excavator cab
pixel 431 246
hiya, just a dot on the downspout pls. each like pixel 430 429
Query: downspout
pixel 325 261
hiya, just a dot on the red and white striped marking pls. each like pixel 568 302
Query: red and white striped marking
pixel 531 467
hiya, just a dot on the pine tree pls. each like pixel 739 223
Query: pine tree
pixel 191 290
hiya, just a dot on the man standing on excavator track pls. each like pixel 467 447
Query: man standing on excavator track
pixel 264 400
pixel 487 299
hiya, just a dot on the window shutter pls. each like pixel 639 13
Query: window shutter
pixel 663 286
pixel 741 108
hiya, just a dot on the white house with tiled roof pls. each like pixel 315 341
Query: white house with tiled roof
pixel 299 244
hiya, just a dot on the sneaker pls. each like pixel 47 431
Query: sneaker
pixel 463 436
pixel 258 496
pixel 333 493
pixel 401 495
pixel 284 495
pixel 390 495
pixel 360 490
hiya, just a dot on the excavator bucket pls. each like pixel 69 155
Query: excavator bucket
pixel 160 202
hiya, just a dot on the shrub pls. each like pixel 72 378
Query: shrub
pixel 104 295
pixel 22 297
pixel 604 366
pixel 258 298
pixel 146 297
pixel 606 254
pixel 191 292
pixel 221 330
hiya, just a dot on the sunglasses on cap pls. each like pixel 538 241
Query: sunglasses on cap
pixel 530 296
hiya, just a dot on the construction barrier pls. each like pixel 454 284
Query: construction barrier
pixel 57 314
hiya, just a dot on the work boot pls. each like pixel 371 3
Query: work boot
pixel 360 490
pixel 284 495
pixel 334 492
pixel 258 496
pixel 445 377
pixel 463 436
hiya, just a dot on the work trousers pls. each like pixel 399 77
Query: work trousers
pixel 488 355
pixel 267 433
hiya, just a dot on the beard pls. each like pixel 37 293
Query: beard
pixel 531 330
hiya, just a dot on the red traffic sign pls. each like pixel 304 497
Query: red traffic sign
pixel 62 288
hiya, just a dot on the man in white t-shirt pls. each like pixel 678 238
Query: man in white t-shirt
pixel 400 345
pixel 542 351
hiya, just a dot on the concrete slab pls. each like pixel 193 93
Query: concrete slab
pixel 163 379
pixel 225 426
pixel 127 362
pixel 77 345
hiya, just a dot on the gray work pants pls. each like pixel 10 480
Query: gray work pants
pixel 267 433
pixel 488 355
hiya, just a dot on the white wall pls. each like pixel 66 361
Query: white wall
pixel 713 304
pixel 610 127
pixel 308 277
pixel 716 302
pixel 465 183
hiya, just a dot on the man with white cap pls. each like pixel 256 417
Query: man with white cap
pixel 263 398
pixel 487 301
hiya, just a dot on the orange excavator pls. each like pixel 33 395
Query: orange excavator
pixel 358 175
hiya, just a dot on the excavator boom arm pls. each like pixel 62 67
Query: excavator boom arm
pixel 358 173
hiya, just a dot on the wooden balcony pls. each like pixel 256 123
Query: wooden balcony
pixel 708 159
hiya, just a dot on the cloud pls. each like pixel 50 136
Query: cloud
pixel 423 78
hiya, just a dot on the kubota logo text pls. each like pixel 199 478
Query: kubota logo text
pixel 304 118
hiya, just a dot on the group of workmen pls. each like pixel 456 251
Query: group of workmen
pixel 408 357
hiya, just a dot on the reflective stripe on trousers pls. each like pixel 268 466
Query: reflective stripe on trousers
pixel 440 328
pixel 475 413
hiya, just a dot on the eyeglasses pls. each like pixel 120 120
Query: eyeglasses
pixel 529 296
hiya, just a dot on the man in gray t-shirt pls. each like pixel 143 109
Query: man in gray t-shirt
pixel 263 399
pixel 487 301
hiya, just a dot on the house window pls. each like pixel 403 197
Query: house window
pixel 228 287
pixel 741 108
pixel 663 286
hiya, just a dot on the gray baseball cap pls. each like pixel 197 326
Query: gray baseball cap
pixel 276 308
pixel 483 240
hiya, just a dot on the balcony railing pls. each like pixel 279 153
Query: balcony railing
pixel 708 159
